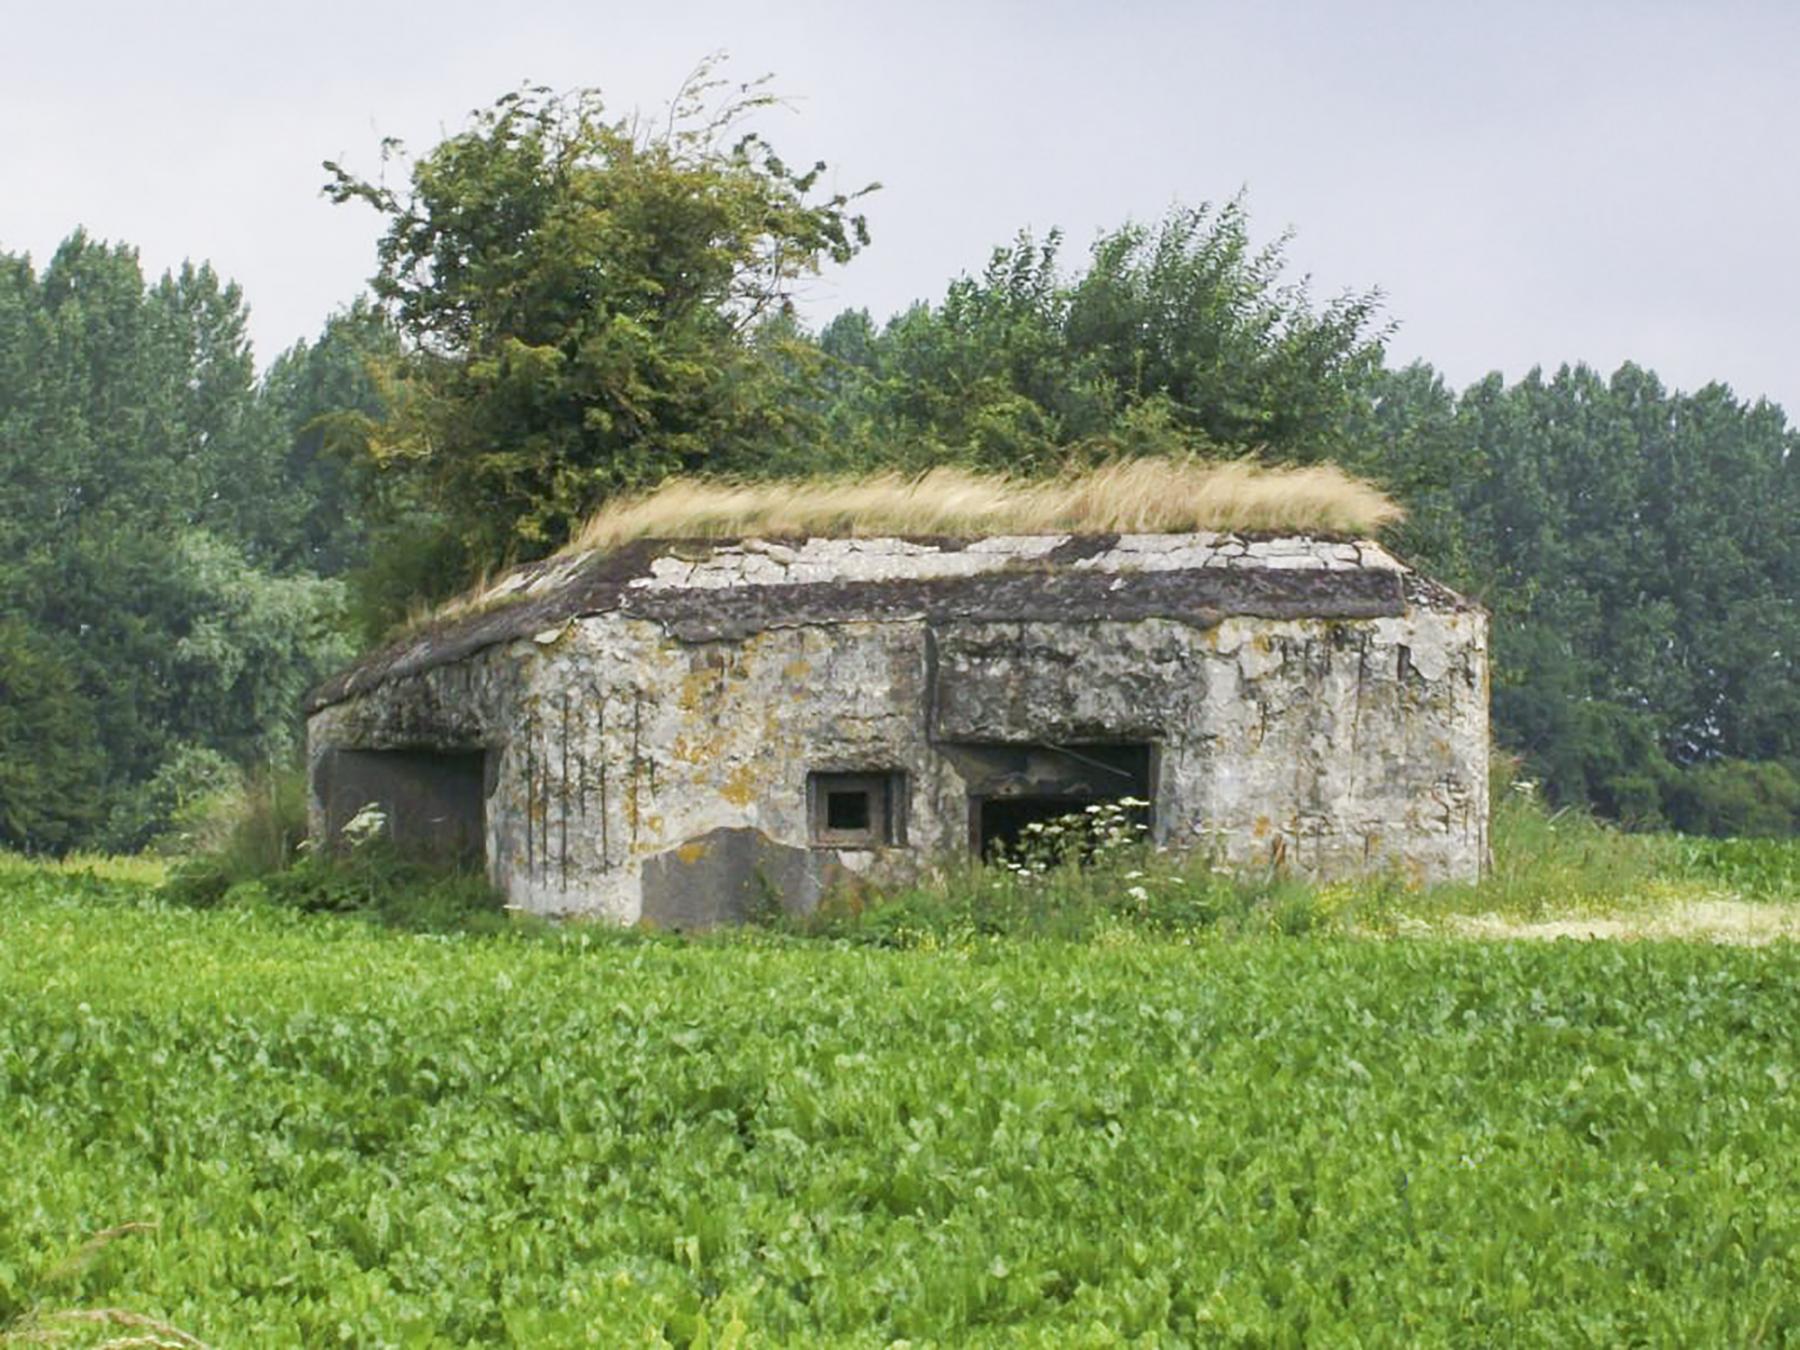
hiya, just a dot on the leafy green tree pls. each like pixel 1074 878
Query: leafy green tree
pixel 156 813
pixel 1409 437
pixel 326 396
pixel 1738 797
pixel 145 499
pixel 1181 334
pixel 580 301
pixel 1192 311
pixel 1630 543
pixel 177 640
pixel 50 762
pixel 127 403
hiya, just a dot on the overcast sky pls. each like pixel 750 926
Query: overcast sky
pixel 1527 183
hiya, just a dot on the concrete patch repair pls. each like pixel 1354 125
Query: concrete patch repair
pixel 692 733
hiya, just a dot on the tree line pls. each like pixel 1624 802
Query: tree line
pixel 567 306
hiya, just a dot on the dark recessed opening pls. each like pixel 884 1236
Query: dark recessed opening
pixel 1003 819
pixel 1015 787
pixel 847 810
pixel 432 802
pixel 856 810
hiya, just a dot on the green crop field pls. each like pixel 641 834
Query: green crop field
pixel 263 1128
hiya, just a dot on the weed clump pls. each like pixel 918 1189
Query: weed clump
pixel 380 883
pixel 256 832
pixel 266 860
pixel 1090 875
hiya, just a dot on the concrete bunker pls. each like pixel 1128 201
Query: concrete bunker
pixel 688 733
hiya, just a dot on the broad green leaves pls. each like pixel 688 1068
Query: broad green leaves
pixel 346 1135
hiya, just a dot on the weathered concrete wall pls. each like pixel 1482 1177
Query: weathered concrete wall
pixel 655 764
pixel 1334 746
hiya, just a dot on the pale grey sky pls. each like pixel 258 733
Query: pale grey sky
pixel 1529 183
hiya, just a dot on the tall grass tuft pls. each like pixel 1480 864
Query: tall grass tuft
pixel 1145 496
pixel 253 834
pixel 1126 496
pixel 1553 861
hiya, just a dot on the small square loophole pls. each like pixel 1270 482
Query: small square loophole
pixel 848 810
pixel 854 810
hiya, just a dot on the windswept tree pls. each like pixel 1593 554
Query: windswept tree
pixel 586 304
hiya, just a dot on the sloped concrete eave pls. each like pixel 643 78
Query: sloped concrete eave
pixel 706 590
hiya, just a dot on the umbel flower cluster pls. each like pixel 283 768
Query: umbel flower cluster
pixel 1099 833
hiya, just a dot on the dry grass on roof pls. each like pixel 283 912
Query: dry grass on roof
pixel 1139 496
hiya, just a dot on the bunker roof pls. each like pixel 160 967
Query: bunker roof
pixel 724 590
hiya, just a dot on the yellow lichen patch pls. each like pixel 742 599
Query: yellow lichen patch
pixel 700 749
pixel 1262 827
pixel 698 688
pixel 740 785
pixel 693 851
pixel 797 669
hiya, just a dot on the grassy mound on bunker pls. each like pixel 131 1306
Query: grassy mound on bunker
pixel 255 1125
pixel 1135 496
